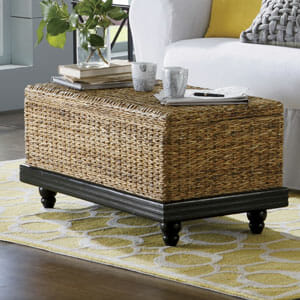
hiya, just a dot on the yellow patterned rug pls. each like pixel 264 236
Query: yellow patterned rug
pixel 217 253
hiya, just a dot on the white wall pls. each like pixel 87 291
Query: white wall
pixel 35 64
pixel 1 27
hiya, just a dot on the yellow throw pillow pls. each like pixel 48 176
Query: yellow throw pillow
pixel 229 18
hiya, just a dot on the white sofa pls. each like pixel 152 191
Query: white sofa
pixel 170 33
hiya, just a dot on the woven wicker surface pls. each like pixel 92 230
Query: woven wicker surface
pixel 128 141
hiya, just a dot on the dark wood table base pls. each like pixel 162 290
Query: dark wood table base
pixel 171 214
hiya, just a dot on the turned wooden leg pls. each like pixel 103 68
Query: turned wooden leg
pixel 48 197
pixel 256 220
pixel 170 232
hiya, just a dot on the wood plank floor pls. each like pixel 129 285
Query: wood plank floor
pixel 27 273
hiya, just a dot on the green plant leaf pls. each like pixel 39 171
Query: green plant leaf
pixel 85 46
pixel 85 8
pixel 83 36
pixel 91 23
pixel 99 8
pixel 48 9
pixel 107 5
pixel 57 26
pixel 65 10
pixel 57 41
pixel 116 13
pixel 105 22
pixel 40 32
pixel 96 41
pixel 96 3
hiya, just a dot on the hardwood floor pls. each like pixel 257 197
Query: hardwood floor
pixel 28 273
pixel 11 135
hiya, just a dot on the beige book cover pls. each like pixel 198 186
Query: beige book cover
pixel 102 79
pixel 74 71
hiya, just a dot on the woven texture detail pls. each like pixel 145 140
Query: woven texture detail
pixel 127 140
pixel 278 23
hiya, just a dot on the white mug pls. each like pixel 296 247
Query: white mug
pixel 143 76
pixel 174 82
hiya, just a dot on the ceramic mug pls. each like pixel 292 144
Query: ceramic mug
pixel 174 82
pixel 143 76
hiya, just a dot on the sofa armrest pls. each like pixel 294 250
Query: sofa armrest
pixel 157 23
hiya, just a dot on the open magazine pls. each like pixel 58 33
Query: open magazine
pixel 221 96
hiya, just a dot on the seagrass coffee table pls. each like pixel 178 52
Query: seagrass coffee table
pixel 122 149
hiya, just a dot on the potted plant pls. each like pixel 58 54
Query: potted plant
pixel 91 19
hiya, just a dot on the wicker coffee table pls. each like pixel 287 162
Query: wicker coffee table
pixel 122 149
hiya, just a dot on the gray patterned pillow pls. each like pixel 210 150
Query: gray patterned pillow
pixel 277 23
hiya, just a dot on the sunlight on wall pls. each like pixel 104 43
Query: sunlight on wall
pixel 123 35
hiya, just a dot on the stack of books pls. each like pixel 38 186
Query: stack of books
pixel 117 75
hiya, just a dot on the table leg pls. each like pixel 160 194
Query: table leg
pixel 48 197
pixel 170 232
pixel 256 220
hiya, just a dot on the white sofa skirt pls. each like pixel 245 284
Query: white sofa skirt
pixel 291 151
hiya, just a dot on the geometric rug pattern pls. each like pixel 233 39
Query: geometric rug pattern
pixel 219 253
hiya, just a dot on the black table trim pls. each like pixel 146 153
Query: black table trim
pixel 169 214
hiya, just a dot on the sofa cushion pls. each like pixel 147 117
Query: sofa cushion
pixel 278 23
pixel 268 71
pixel 229 18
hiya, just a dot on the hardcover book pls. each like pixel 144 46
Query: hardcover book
pixel 116 67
